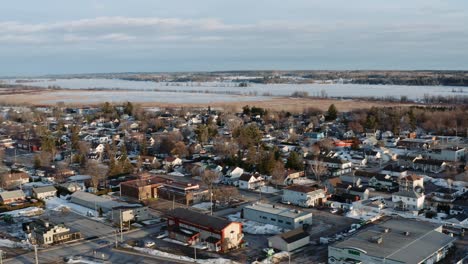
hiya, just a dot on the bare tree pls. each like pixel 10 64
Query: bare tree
pixel 98 172
pixel 209 177
pixel 278 175
pixel 318 169
pixel 225 194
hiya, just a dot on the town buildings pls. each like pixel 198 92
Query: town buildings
pixel 394 241
pixel 275 215
pixel 193 227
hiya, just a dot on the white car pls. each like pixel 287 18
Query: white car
pixel 149 244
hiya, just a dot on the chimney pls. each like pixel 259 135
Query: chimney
pixel 406 233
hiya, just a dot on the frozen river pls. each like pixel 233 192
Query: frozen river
pixel 219 88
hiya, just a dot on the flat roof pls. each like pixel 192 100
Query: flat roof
pixel 421 242
pixel 276 210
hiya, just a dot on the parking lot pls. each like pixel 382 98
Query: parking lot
pixel 88 228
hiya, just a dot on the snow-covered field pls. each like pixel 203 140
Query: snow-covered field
pixel 256 228
pixel 30 211
pixel 59 204
pixel 204 206
pixel 268 189
pixel 155 252
pixel 12 244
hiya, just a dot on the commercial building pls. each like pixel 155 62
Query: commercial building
pixel 290 240
pixel 97 203
pixel 396 241
pixel 193 227
pixel 43 233
pixel 278 216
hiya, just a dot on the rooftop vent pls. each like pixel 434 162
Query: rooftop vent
pixel 386 230
pixel 406 233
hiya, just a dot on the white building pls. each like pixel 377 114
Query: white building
pixel 44 192
pixel 278 216
pixel 250 181
pixel 304 195
pixel 410 195
pixel 290 240
pixel 396 241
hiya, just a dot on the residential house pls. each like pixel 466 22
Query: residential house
pixel 335 166
pixel 232 175
pixel 410 195
pixel 275 215
pixel 170 162
pixel 44 192
pixel 429 165
pixel 251 181
pixel 304 195
pixel 13 179
pixel 72 186
pixel 395 171
pixel 193 227
pixel 383 182
pixel 289 241
pixel 10 197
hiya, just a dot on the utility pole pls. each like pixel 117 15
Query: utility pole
pixel 116 242
pixel 195 251
pixel 121 226
pixel 211 199
pixel 35 254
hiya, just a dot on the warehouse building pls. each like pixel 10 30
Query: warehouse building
pixel 278 216
pixel 391 242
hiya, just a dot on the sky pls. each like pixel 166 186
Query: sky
pixel 91 36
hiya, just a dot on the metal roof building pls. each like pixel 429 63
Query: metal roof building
pixel 394 241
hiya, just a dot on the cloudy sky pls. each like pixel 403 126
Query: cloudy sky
pixel 56 36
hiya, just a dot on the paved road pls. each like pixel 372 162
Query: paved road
pixel 87 247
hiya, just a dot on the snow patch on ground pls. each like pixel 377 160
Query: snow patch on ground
pixel 30 211
pixel 12 244
pixel 268 189
pixel 275 258
pixel 59 204
pixel 443 183
pixel 155 252
pixel 204 206
pixel 256 228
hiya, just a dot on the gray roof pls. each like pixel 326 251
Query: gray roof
pixel 421 242
pixel 44 189
pixel 276 210
pixel 12 194
pixel 199 219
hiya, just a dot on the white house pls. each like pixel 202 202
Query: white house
pixel 304 195
pixel 44 192
pixel 172 161
pixel 251 181
pixel 410 195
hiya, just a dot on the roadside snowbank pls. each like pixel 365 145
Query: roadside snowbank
pixel 155 252
pixel 256 228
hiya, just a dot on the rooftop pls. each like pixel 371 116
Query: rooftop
pixel 276 210
pixel 199 219
pixel 406 241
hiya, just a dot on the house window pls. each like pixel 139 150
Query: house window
pixel 280 221
pixel 288 223
pixel 300 222
pixel 273 219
